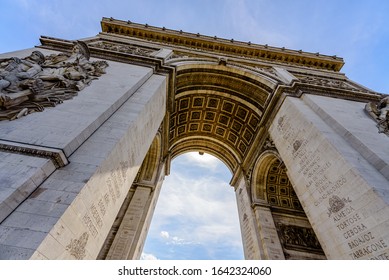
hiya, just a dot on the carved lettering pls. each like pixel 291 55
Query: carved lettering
pixel 89 224
pixel 111 190
pixel 354 231
pixel 102 207
pixel 370 249
pixel 349 221
pixel 383 256
pixel 343 214
pixel 361 240
pixel 106 198
pixel 96 216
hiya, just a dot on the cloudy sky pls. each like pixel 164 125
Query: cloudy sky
pixel 356 30
pixel 196 216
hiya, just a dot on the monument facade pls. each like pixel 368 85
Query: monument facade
pixel 89 128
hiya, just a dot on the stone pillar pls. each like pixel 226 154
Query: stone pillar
pixel 338 164
pixel 268 237
pixel 131 235
pixel 248 224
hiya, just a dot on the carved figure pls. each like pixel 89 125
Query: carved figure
pixel 379 111
pixel 30 84
pixel 295 236
pixel 17 78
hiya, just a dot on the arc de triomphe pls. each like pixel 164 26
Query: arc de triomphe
pixel 308 148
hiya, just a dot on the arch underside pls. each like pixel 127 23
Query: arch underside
pixel 217 110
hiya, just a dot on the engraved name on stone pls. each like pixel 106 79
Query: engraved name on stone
pixel 96 215
pixel 359 238
pixel 310 163
pixel 102 208
pixel 116 183
pixel 89 224
pixel 111 190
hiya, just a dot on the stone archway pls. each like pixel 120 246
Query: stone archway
pixel 218 109
pixel 287 225
pixel 210 94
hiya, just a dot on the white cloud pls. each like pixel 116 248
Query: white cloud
pixel 146 256
pixel 164 234
pixel 197 213
pixel 204 161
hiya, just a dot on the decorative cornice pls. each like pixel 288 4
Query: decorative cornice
pixel 56 156
pixel 222 46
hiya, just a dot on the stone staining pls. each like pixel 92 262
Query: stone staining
pixel 76 247
pixel 379 111
pixel 32 83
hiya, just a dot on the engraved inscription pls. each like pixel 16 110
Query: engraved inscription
pixel 96 216
pixel 102 207
pixel 89 224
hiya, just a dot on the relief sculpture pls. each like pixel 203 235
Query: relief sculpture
pixel 29 84
pixel 379 111
pixel 295 237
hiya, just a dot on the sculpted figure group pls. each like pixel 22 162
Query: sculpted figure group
pixel 380 113
pixel 28 85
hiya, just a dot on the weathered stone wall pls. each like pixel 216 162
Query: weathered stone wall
pixel 337 162
pixel 105 133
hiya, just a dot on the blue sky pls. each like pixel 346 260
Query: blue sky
pixel 196 215
pixel 356 30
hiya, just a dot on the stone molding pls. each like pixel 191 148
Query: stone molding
pixel 215 44
pixel 55 155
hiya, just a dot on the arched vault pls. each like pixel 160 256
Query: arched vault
pixel 218 108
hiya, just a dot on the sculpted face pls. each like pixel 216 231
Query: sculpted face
pixel 37 57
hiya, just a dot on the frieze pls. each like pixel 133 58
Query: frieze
pixel 298 238
pixel 129 49
pixel 37 81
pixel 76 247
pixel 379 111
pixel 330 83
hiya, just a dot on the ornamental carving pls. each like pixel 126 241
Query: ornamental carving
pixel 336 204
pixel 300 238
pixel 76 247
pixel 329 83
pixel 379 111
pixel 37 81
pixel 123 48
